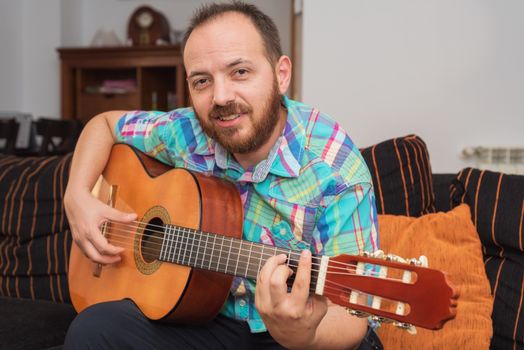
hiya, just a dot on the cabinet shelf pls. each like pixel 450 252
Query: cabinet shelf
pixel 95 80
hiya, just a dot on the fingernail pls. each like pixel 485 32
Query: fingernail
pixel 306 253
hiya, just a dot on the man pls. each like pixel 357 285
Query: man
pixel 302 182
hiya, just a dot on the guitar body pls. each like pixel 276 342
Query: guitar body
pixel 159 195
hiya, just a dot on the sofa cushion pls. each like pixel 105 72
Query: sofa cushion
pixel 401 173
pixel 34 233
pixel 497 209
pixel 451 244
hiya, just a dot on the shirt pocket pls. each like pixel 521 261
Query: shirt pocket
pixel 313 188
pixel 293 223
pixel 281 235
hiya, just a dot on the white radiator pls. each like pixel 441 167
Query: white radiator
pixel 508 160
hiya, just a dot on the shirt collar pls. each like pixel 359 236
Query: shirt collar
pixel 285 156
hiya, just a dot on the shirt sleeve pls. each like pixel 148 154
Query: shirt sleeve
pixel 144 130
pixel 348 224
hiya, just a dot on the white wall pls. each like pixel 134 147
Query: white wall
pixel 10 55
pixel 114 15
pixel 451 71
pixel 72 22
pixel 29 34
pixel 41 35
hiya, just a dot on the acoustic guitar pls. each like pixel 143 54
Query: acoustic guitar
pixel 182 253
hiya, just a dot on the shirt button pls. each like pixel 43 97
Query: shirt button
pixel 242 303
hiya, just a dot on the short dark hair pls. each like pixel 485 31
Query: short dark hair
pixel 262 22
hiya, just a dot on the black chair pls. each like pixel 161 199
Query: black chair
pixel 58 136
pixel 8 133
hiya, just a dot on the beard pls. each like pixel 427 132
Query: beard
pixel 260 130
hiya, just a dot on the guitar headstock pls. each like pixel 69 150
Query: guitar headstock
pixel 391 289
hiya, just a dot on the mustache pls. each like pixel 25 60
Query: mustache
pixel 230 108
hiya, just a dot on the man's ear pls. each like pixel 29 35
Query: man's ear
pixel 283 73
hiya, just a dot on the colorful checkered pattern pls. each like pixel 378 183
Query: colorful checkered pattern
pixel 313 191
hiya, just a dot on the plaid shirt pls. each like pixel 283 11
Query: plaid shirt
pixel 313 191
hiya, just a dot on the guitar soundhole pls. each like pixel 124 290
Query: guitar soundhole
pixel 152 238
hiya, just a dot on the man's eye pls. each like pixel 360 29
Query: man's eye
pixel 200 83
pixel 241 72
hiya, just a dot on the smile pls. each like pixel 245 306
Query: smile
pixel 229 117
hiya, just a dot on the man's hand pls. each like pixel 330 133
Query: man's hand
pixel 291 318
pixel 86 214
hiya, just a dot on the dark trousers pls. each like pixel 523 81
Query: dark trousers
pixel 121 325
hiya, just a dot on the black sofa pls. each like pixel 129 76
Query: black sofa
pixel 35 308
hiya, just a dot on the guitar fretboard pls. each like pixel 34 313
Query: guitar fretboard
pixel 232 256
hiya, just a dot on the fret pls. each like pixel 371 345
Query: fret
pixel 220 253
pixel 260 259
pixel 166 230
pixel 246 274
pixel 315 261
pixel 255 259
pixel 200 234
pixel 192 237
pixel 212 251
pixel 233 256
pixel 292 263
pixel 186 249
pixel 228 255
pixel 180 251
pixel 238 257
pixel 167 239
pixel 174 241
pixel 171 241
pixel 204 253
pixel 190 243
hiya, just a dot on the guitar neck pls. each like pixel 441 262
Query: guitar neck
pixel 231 256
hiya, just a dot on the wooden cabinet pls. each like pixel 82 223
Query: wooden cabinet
pixel 95 80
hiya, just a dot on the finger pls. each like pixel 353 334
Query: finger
pixel 262 293
pixel 278 285
pixel 101 244
pixel 120 216
pixel 93 254
pixel 301 285
pixel 317 307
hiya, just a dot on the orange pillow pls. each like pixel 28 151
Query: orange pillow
pixel 451 243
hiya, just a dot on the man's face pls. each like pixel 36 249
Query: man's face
pixel 233 86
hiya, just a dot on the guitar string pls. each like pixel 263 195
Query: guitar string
pixel 291 264
pixel 194 231
pixel 190 240
pixel 187 240
pixel 127 241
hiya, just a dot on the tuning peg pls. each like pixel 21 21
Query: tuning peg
pixel 406 326
pixel 357 313
pixel 421 261
pixel 379 254
pixel 381 320
pixel 396 258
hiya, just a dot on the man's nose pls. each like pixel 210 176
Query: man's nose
pixel 223 92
